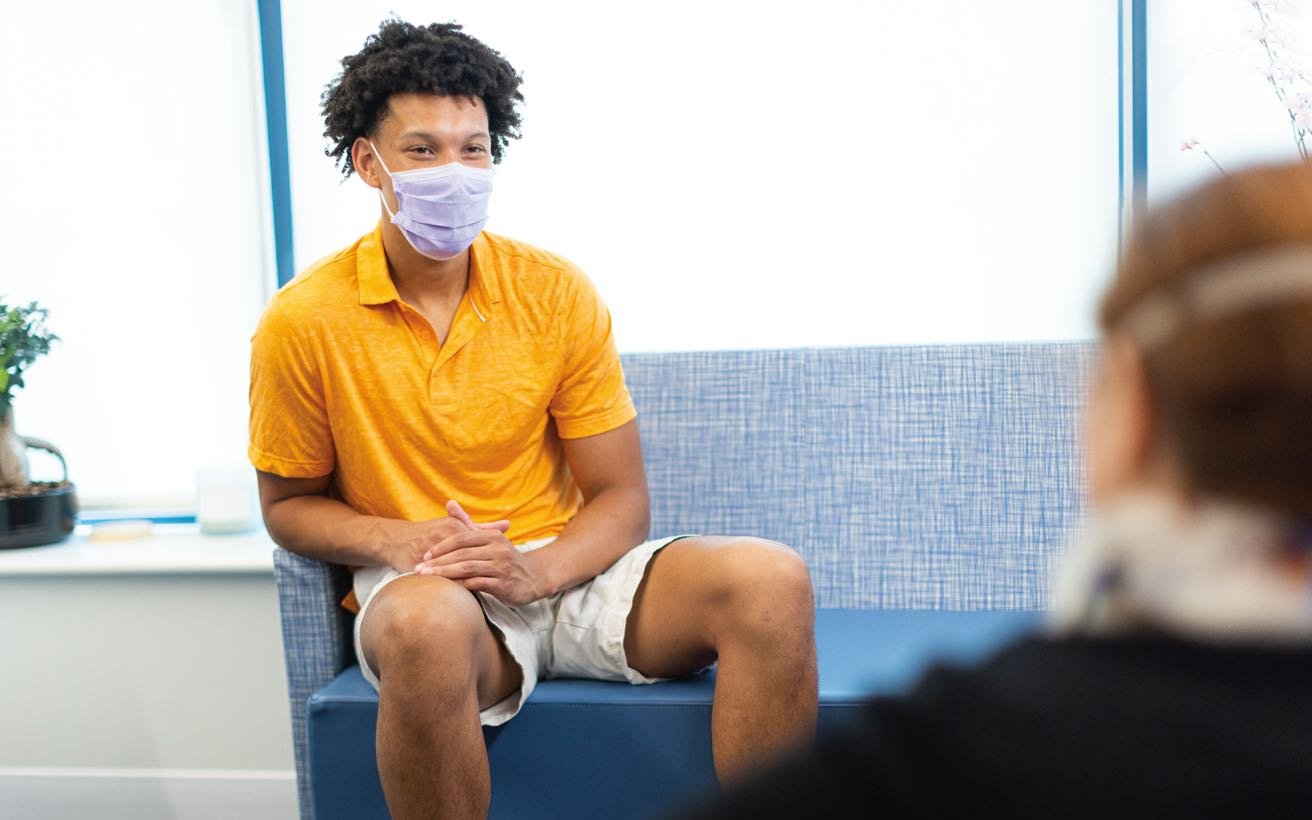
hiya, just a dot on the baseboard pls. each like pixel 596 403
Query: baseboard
pixel 147 794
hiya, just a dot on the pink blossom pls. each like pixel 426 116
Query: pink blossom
pixel 1190 144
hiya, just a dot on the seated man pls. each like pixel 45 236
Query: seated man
pixel 432 376
pixel 1174 682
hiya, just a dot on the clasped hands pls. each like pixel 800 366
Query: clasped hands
pixel 479 557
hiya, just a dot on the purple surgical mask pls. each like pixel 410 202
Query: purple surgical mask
pixel 439 210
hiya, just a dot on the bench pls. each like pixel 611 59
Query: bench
pixel 930 489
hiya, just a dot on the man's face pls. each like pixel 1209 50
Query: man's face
pixel 424 131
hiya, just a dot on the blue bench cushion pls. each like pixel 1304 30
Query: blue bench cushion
pixel 640 749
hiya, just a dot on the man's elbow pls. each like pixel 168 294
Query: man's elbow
pixel 272 511
pixel 641 506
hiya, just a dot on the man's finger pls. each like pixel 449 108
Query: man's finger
pixel 481 583
pixel 460 540
pixel 477 553
pixel 457 512
pixel 460 570
pixel 454 510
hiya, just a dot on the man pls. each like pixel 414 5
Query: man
pixel 433 375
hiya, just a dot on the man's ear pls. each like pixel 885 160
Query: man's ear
pixel 365 163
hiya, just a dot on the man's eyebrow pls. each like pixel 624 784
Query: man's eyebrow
pixel 429 136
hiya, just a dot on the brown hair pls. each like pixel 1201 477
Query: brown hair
pixel 1233 393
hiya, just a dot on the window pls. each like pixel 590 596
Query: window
pixel 134 209
pixel 773 175
pixel 1211 98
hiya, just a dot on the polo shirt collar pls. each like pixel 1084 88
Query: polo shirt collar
pixel 483 274
pixel 377 287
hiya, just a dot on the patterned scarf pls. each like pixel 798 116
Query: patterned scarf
pixel 1214 571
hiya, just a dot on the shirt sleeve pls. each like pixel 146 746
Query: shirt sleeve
pixel 592 397
pixel 289 431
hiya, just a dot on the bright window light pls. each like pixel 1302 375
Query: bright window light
pixel 1212 103
pixel 134 207
pixel 755 175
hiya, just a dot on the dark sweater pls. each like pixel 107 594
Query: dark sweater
pixel 1110 727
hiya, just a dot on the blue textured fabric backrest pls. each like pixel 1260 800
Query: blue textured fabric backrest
pixel 943 477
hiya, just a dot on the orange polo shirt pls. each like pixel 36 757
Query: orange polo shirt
pixel 348 380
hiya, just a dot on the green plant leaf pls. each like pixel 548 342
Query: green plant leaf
pixel 24 338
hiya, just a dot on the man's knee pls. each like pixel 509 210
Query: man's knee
pixel 427 623
pixel 764 585
pixel 755 567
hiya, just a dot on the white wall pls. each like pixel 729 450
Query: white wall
pixel 144 680
pixel 146 671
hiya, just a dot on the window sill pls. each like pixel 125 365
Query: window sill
pixel 169 549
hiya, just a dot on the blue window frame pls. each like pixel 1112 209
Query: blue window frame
pixel 275 113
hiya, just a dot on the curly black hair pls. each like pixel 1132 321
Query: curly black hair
pixel 404 58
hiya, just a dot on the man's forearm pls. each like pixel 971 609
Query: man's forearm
pixel 328 530
pixel 612 523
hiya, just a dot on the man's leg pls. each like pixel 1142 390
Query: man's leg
pixel 747 602
pixel 438 663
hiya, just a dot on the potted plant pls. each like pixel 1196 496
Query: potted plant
pixel 31 513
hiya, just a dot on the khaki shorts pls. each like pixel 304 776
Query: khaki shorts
pixel 578 633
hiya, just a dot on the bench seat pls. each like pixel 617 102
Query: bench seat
pixel 640 749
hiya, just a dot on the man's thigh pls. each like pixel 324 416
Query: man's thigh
pixel 416 620
pixel 681 603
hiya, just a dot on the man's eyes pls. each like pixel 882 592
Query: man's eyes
pixel 425 151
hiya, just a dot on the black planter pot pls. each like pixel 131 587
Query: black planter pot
pixel 44 518
pixel 41 517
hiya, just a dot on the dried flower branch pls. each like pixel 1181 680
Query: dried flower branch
pixel 1279 66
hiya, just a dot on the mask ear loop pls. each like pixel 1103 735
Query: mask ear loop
pixel 382 198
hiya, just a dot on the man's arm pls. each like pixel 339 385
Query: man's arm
pixel 615 517
pixel 616 514
pixel 302 518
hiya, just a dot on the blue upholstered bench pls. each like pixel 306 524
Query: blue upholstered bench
pixel 929 488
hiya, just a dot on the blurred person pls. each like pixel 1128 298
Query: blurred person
pixel 432 375
pixel 1175 676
